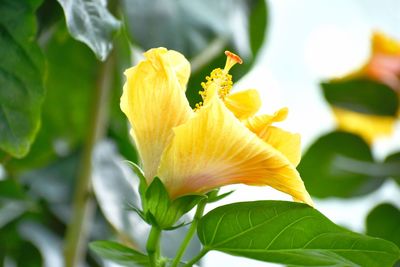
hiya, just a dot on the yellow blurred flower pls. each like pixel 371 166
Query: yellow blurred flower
pixel 218 143
pixel 383 66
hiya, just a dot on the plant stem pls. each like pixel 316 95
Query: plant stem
pixel 153 246
pixel 190 233
pixel 378 169
pixel 83 205
pixel 197 258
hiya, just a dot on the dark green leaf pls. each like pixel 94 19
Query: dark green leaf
pixel 16 249
pixel 290 233
pixel 339 164
pixel 71 80
pixel 394 161
pixel 11 189
pixel 90 22
pixel 258 21
pixel 119 254
pixel 21 76
pixel 46 242
pixel 361 95
pixel 384 222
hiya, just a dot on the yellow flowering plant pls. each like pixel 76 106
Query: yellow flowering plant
pixel 365 104
pixel 188 154
pixel 376 89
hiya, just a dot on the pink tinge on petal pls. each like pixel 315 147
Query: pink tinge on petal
pixel 386 69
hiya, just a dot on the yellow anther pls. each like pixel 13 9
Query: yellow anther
pixel 219 81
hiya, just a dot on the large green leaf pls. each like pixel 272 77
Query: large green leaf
pixel 21 76
pixel 339 164
pixel 90 22
pixel 70 83
pixel 362 95
pixel 290 233
pixel 384 222
pixel 119 254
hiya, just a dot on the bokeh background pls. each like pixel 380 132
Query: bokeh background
pixel 309 41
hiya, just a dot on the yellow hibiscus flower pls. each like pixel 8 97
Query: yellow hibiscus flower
pixel 383 66
pixel 218 143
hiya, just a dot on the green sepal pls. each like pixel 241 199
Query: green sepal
pixel 214 197
pixel 142 180
pixel 163 212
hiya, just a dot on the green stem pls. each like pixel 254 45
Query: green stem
pixel 153 246
pixel 190 233
pixel 377 169
pixel 83 204
pixel 212 50
pixel 197 258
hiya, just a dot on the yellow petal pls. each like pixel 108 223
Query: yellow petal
pixel 154 101
pixel 260 123
pixel 381 43
pixel 367 126
pixel 289 144
pixel 214 149
pixel 243 104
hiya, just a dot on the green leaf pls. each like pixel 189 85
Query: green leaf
pixel 384 222
pixel 258 21
pixel 90 22
pixel 21 76
pixel 11 189
pixel 395 160
pixel 339 164
pixel 290 233
pixel 362 95
pixel 70 83
pixel 119 254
